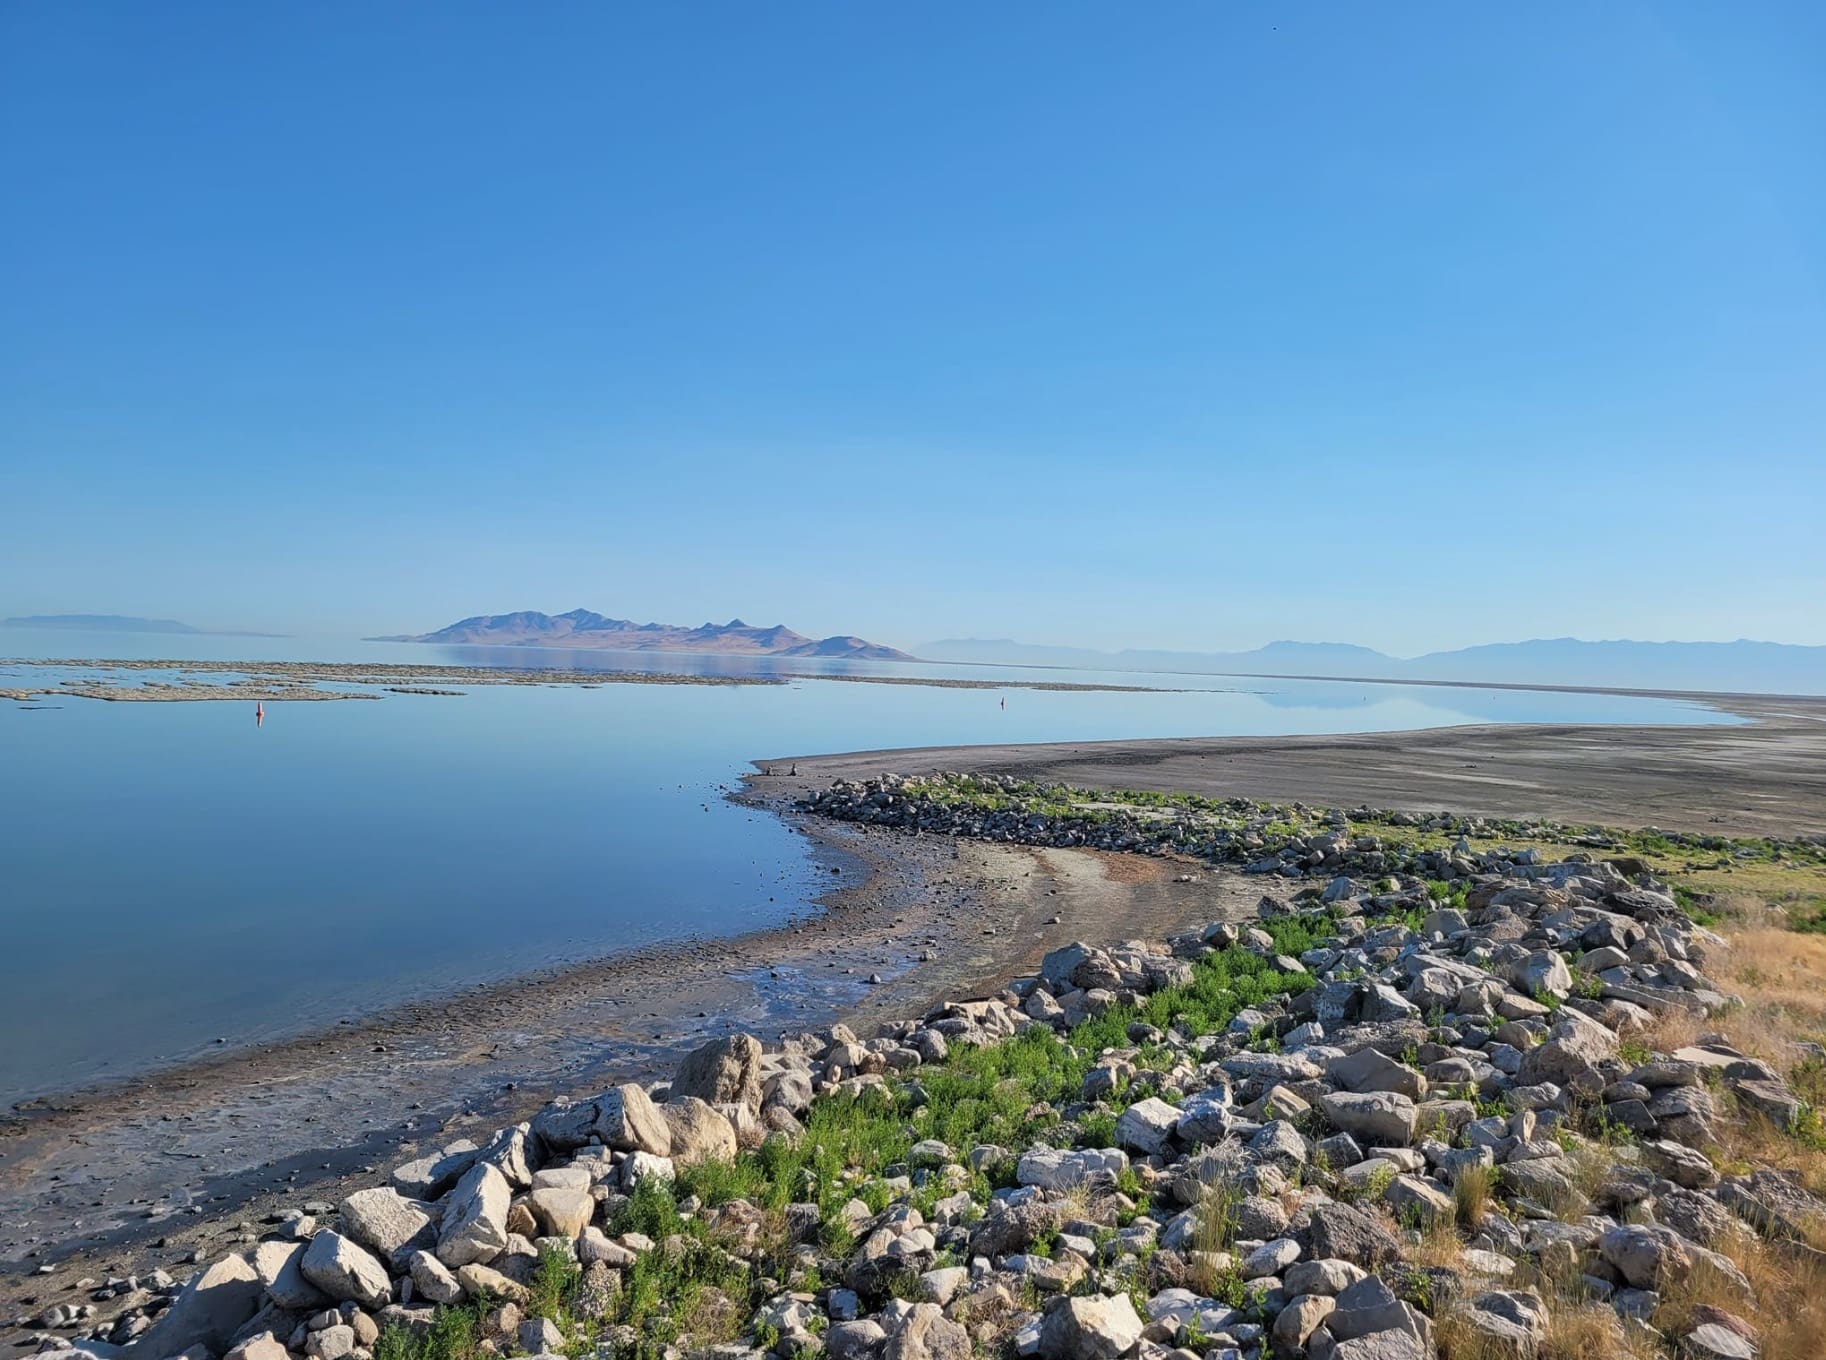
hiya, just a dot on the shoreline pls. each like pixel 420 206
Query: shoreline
pixel 151 1168
pixel 139 1173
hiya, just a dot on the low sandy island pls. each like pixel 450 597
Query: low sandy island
pixel 146 1172
pixel 171 681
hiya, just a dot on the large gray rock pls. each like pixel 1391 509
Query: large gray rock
pixel 474 1228
pixel 1390 1345
pixel 344 1269
pixel 1575 1045
pixel 1147 1126
pixel 1329 1277
pixel 1370 1306
pixel 432 1280
pixel 1542 972
pixel 925 1333
pixel 725 1071
pixel 512 1153
pixel 1688 1169
pixel 1298 1321
pixel 855 1340
pixel 561 1212
pixel 385 1221
pixel 1011 1228
pixel 623 1117
pixel 698 1133
pixel 1053 1169
pixel 1345 1233
pixel 1367 1070
pixel 1715 1341
pixel 276 1263
pixel 1508 1326
pixel 1381 1118
pixel 1646 1256
pixel 1059 970
pixel 220 1299
pixel 260 1346
pixel 1091 1327
pixel 431 1176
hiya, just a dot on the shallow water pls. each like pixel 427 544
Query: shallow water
pixel 172 875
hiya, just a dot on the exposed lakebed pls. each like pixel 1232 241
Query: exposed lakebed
pixel 174 878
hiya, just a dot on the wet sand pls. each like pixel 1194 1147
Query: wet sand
pixel 1762 778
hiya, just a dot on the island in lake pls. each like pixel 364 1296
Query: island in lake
pixel 584 628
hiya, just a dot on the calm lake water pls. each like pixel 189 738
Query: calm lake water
pixel 171 875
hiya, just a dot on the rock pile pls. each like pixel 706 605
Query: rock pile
pixel 1291 840
pixel 1260 1188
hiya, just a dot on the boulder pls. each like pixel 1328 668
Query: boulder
pixel 276 1263
pixel 1380 1118
pixel 698 1132
pixel 1574 1045
pixel 1147 1126
pixel 474 1228
pixel 1647 1257
pixel 1090 1327
pixel 1367 1070
pixel 431 1176
pixel 925 1333
pixel 855 1340
pixel 1345 1233
pixel 386 1222
pixel 219 1300
pixel 261 1346
pixel 479 1280
pixel 336 1342
pixel 1328 1277
pixel 1716 1341
pixel 1298 1321
pixel 623 1118
pixel 1391 1345
pixel 432 1280
pixel 1507 1325
pixel 343 1269
pixel 1370 1306
pixel 561 1212
pixel 1686 1168
pixel 725 1071
pixel 1542 973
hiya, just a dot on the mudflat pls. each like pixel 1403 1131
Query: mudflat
pixel 1764 777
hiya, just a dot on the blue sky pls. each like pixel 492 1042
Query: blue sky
pixel 1172 325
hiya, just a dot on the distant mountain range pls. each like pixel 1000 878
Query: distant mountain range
pixel 581 628
pixel 1747 667
pixel 119 623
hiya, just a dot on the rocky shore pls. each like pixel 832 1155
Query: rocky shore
pixel 1443 1101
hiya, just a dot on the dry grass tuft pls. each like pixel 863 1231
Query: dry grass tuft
pixel 1471 1195
pixel 1787 1304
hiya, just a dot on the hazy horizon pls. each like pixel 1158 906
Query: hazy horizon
pixel 60 620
